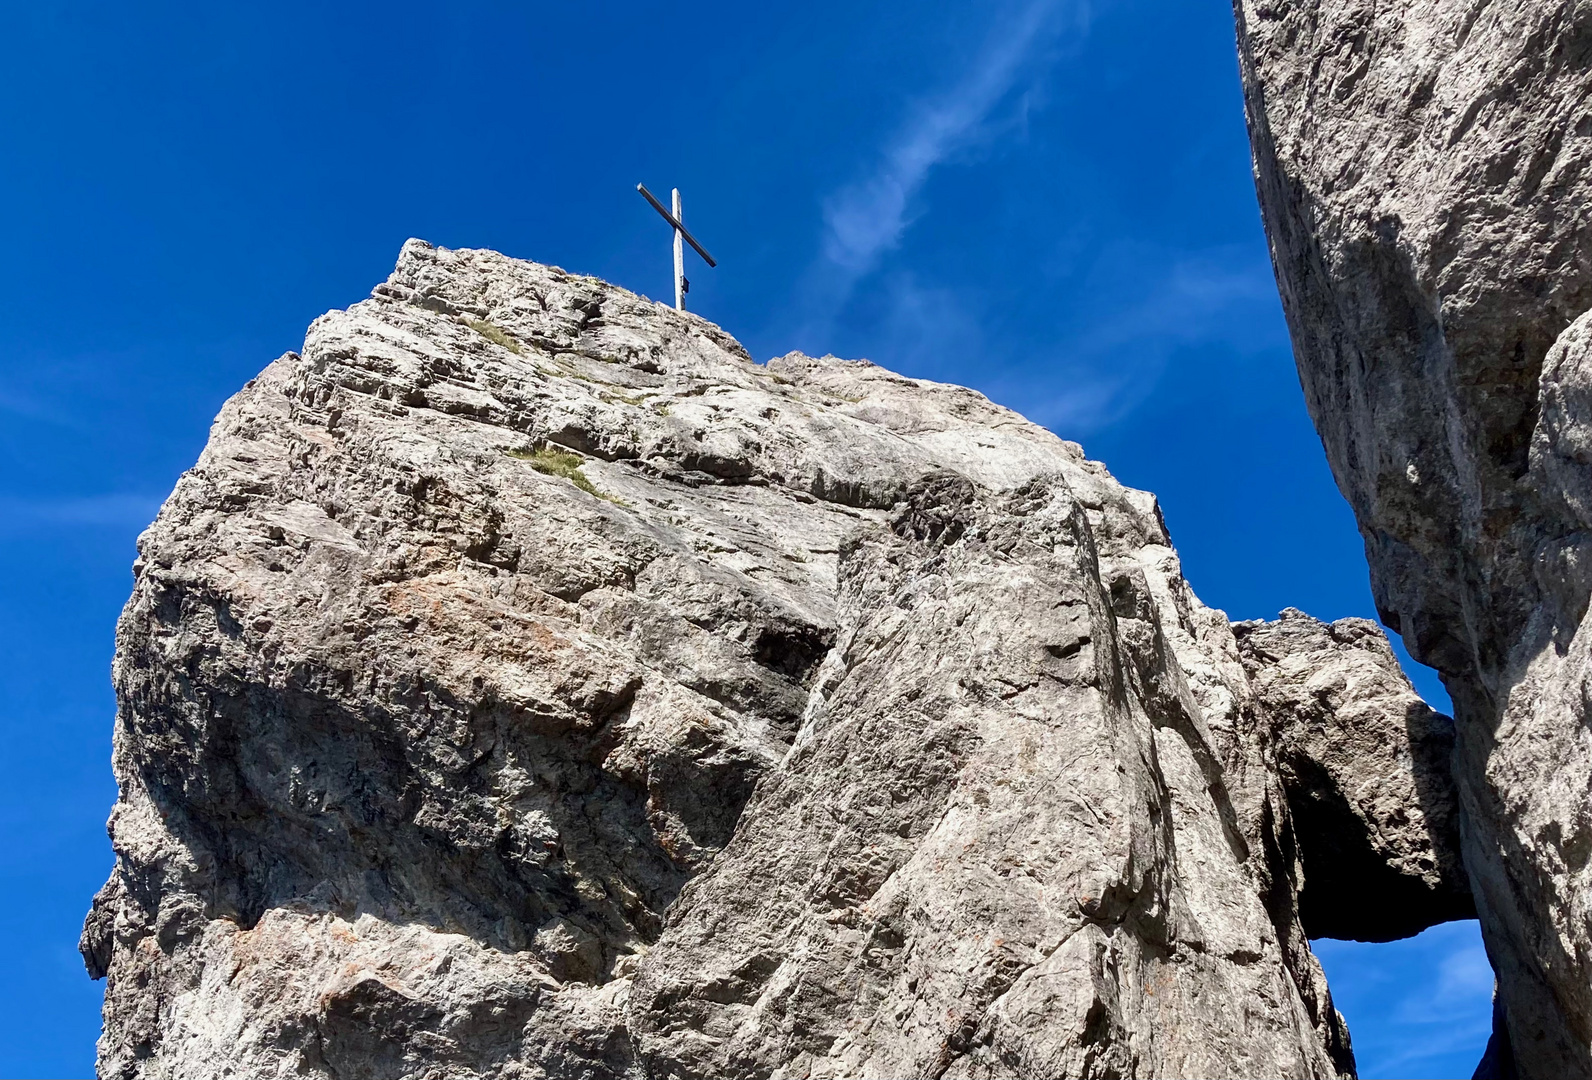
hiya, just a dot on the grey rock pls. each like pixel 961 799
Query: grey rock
pixel 1366 767
pixel 526 683
pixel 1422 170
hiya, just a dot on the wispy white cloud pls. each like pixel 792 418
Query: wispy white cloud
pixel 94 511
pixel 1464 975
pixel 866 219
pixel 1139 306
pixel 1130 306
pixel 1417 1007
pixel 31 407
pixel 1114 362
pixel 933 324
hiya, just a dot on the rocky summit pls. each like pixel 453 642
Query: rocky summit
pixel 526 683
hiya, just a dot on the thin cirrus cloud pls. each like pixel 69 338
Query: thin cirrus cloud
pixel 1435 1018
pixel 117 511
pixel 1108 366
pixel 1140 303
pixel 866 219
pixel 1136 307
pixel 1429 996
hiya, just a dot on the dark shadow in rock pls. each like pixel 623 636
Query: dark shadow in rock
pixel 473 817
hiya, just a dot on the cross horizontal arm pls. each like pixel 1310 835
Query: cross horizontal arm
pixel 672 220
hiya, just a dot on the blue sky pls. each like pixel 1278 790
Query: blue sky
pixel 1045 199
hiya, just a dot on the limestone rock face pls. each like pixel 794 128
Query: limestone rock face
pixel 525 683
pixel 1423 172
pixel 1365 764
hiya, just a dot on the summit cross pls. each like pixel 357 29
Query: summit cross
pixel 677 220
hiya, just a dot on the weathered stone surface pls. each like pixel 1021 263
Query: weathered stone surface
pixel 526 683
pixel 1005 843
pixel 1366 767
pixel 1422 168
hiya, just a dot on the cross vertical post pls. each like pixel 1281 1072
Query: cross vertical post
pixel 682 236
pixel 679 257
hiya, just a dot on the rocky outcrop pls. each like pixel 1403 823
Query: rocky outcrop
pixel 1422 169
pixel 1365 765
pixel 526 683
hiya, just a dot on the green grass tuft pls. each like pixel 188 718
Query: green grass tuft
pixel 562 463
pixel 494 333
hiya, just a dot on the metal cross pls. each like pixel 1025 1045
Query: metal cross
pixel 676 219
